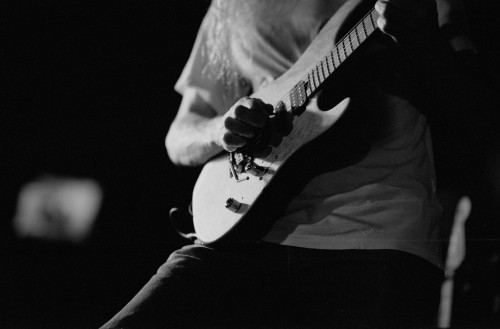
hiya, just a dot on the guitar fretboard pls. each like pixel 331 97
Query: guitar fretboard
pixel 314 79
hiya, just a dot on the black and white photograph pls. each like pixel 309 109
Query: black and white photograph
pixel 287 164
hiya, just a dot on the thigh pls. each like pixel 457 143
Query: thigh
pixel 199 286
pixel 369 289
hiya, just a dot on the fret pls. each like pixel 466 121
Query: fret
pixel 356 33
pixel 370 24
pixel 367 23
pixel 323 69
pixel 348 45
pixel 355 41
pixel 336 57
pixel 316 76
pixel 359 33
pixel 326 69
pixel 329 64
pixel 373 19
pixel 364 28
pixel 311 81
pixel 320 74
pixel 329 61
pixel 342 54
pixel 314 84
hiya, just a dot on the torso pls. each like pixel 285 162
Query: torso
pixel 386 200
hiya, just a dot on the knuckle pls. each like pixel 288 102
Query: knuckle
pixel 383 24
pixel 231 140
pixel 269 108
pixel 246 101
pixel 228 122
pixel 239 111
pixel 242 100
pixel 226 138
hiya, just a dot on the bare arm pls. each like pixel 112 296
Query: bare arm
pixel 198 132
pixel 434 33
pixel 192 138
pixel 447 62
pixel 454 25
pixel 415 24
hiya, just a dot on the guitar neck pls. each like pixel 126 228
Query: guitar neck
pixel 298 96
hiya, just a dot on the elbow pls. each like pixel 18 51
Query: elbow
pixel 173 150
pixel 176 151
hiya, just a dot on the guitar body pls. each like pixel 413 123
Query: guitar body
pixel 212 220
pixel 258 199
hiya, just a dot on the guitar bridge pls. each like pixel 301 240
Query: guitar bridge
pixel 237 163
pixel 240 163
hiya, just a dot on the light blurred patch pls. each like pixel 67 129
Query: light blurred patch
pixel 55 208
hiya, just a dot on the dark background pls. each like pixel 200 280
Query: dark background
pixel 87 91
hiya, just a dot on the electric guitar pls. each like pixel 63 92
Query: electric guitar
pixel 238 195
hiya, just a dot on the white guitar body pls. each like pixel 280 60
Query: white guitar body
pixel 213 219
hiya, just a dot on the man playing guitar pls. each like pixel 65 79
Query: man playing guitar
pixel 357 244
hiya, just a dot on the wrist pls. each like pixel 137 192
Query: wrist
pixel 217 133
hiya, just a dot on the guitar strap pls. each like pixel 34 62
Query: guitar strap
pixel 182 222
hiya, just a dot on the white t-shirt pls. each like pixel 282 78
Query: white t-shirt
pixel 385 201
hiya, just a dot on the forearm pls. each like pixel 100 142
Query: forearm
pixel 198 132
pixel 192 140
pixel 454 25
pixel 453 73
pixel 453 59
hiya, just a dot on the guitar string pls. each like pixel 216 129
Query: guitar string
pixel 335 51
pixel 332 52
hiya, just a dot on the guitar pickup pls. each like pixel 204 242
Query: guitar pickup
pixel 298 98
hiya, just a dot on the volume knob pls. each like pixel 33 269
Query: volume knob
pixel 233 205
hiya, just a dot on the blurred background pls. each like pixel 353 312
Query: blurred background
pixel 86 185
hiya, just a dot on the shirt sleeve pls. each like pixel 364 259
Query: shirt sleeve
pixel 196 75
pixel 454 24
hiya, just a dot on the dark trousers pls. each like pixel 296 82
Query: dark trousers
pixel 272 286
